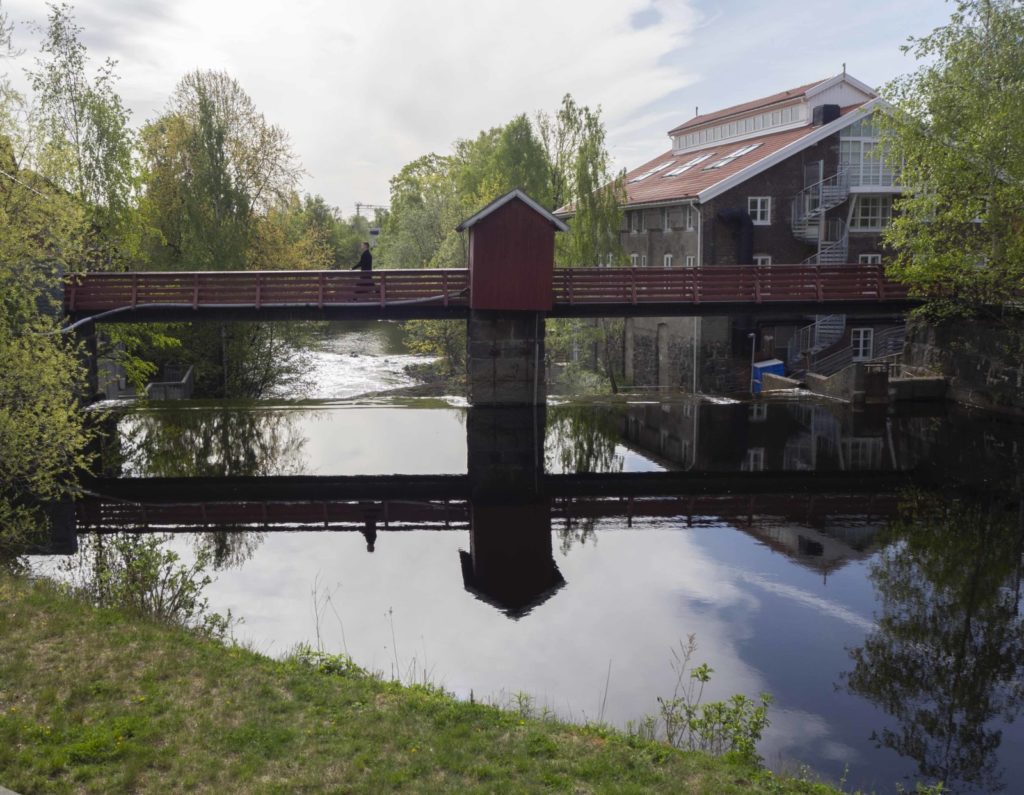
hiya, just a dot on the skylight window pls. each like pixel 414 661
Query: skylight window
pixel 688 165
pixel 654 170
pixel 730 157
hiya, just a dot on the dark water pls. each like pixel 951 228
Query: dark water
pixel 864 569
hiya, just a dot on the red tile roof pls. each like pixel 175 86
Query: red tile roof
pixel 746 107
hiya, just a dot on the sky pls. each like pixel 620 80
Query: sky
pixel 365 87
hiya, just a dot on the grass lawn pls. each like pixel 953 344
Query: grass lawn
pixel 100 701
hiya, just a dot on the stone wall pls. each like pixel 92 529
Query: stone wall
pixel 660 352
pixel 504 349
pixel 984 361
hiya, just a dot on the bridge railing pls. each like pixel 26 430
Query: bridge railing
pixel 98 292
pixel 725 284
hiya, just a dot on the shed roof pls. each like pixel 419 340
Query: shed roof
pixel 501 201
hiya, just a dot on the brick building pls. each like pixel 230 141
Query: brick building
pixel 795 177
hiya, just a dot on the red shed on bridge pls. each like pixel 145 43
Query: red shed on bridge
pixel 512 254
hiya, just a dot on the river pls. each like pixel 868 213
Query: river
pixel 888 629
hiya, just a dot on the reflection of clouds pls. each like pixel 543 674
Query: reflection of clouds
pixel 806 599
pixel 792 732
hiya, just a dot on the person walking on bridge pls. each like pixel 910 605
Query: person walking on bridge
pixel 365 265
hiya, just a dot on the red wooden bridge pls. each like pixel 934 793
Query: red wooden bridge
pixel 445 293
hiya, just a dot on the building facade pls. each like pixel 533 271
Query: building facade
pixel 795 177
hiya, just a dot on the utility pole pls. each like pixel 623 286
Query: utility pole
pixel 360 206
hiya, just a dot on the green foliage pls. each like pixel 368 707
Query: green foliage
pixel 443 338
pixel 959 233
pixel 718 727
pixel 581 179
pixel 139 573
pixel 86 146
pixel 326 663
pixel 43 439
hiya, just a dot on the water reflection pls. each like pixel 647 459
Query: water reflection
pixel 206 440
pixel 947 654
pixel 761 526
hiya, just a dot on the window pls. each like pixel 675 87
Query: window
pixel 732 156
pixel 871 213
pixel 634 259
pixel 762 259
pixel 643 260
pixel 688 165
pixel 863 157
pixel 862 342
pixel 792 114
pixel 870 259
pixel 664 218
pixel 634 222
pixel 642 221
pixel 667 260
pixel 757 411
pixel 654 170
pixel 691 261
pixel 691 213
pixel 755 460
pixel 760 209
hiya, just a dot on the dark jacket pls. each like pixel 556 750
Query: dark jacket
pixel 365 262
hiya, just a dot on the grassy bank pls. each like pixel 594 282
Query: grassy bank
pixel 95 700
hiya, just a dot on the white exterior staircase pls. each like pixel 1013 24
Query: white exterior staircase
pixel 807 220
pixel 823 333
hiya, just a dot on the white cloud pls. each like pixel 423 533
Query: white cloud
pixel 364 88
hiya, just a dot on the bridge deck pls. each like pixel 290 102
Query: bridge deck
pixel 430 293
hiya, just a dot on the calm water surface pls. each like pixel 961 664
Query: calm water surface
pixel 893 645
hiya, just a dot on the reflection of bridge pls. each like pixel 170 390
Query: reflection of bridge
pixel 414 502
pixel 445 293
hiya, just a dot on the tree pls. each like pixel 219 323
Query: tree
pixel 959 232
pixel 86 145
pixel 220 196
pixel 43 439
pixel 580 179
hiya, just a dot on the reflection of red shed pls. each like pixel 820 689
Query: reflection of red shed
pixel 512 254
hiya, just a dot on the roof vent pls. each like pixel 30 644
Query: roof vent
pixel 823 114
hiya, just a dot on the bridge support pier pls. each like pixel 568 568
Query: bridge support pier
pixel 505 358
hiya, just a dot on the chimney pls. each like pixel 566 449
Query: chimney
pixel 823 114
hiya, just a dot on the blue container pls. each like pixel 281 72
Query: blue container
pixel 758 369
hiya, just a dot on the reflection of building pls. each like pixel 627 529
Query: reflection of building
pixel 795 177
pixel 824 549
pixel 729 436
pixel 510 563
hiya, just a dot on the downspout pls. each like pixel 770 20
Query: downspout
pixel 696 323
